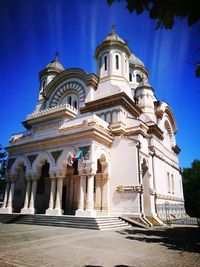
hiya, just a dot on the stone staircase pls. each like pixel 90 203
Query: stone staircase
pixel 98 223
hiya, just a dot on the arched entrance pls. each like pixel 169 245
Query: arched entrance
pixel 70 189
pixel 20 188
pixel 101 185
pixel 43 189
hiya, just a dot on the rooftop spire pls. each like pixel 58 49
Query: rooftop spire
pixel 113 29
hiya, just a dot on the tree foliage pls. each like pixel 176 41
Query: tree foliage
pixel 3 165
pixel 3 162
pixel 165 11
pixel 191 186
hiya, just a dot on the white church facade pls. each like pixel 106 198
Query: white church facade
pixel 96 144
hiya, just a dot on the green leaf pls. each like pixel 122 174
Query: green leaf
pixel 158 24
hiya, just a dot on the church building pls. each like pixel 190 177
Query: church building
pixel 97 144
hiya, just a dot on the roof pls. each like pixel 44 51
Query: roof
pixel 55 64
pixel 135 60
pixel 112 39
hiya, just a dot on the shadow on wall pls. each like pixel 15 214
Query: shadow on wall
pixel 177 238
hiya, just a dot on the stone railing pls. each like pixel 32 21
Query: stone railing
pixel 48 111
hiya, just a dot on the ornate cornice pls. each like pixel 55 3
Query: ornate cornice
pixel 89 132
pixel 155 130
pixel 110 101
pixel 176 149
pixel 111 44
pixel 92 80
pixel 61 111
pixel 164 160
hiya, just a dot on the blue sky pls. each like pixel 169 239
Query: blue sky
pixel 31 31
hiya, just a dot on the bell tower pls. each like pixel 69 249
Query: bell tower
pixel 112 57
pixel 45 77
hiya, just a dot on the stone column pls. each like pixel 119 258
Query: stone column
pixel 49 211
pixel 10 197
pixel 33 196
pixel 98 197
pixel 80 211
pixel 90 196
pixel 5 201
pixel 58 205
pixel 24 210
pixel 105 192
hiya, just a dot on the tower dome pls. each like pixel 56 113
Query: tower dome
pixel 135 60
pixel 55 64
pixel 49 72
pixel 113 37
pixel 112 57
pixel 112 40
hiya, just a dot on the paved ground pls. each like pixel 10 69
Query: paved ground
pixel 37 246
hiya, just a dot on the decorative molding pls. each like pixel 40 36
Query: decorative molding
pixel 167 197
pixel 61 111
pixel 67 88
pixel 111 101
pixel 109 44
pixel 155 130
pixel 92 80
pixel 72 73
pixel 130 188
pixel 176 149
pixel 96 133
pixel 164 160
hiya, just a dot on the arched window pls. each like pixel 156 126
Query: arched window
pixel 105 63
pixel 43 84
pixel 130 77
pixel 69 100
pixel 75 104
pixel 138 78
pixel 125 62
pixel 168 135
pixel 117 62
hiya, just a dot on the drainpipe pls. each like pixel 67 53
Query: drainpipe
pixel 138 146
pixel 154 184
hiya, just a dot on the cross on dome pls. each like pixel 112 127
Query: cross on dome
pixel 56 54
pixel 113 29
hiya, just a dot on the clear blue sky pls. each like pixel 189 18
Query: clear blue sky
pixel 31 31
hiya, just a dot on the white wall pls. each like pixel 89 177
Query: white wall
pixel 123 172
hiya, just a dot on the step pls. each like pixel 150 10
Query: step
pixel 97 223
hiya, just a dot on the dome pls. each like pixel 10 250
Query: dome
pixel 111 40
pixel 55 64
pixel 135 60
pixel 114 37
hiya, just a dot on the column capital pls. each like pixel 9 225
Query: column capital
pixel 12 178
pixel 60 177
pixel 76 178
pixel 35 177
